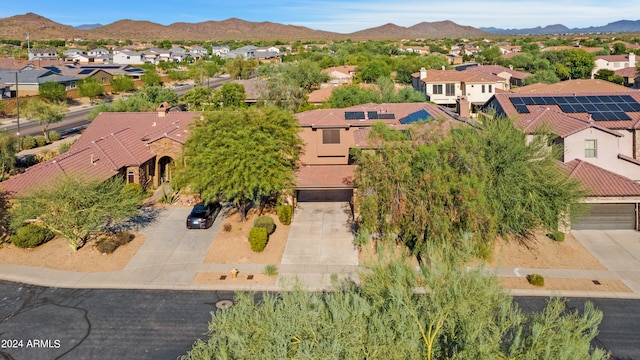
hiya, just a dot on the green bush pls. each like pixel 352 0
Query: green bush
pixel 556 236
pixel 265 222
pixel 535 279
pixel 109 243
pixel 40 140
pixel 27 142
pixel 30 236
pixel 53 135
pixel 64 147
pixel 285 213
pixel 270 270
pixel 133 189
pixel 258 238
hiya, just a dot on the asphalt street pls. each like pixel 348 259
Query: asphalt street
pixel 54 323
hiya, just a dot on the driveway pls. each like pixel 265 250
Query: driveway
pixel 617 250
pixel 171 250
pixel 320 242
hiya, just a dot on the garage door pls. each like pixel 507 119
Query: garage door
pixel 606 217
pixel 342 195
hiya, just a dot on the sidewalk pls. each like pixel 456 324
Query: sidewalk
pixel 171 259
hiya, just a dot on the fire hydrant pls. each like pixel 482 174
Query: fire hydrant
pixel 234 273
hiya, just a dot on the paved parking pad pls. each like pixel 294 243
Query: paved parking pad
pixel 321 242
pixel 617 250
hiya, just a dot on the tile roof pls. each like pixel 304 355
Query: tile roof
pixel 556 121
pixel 599 182
pixel 629 72
pixel 111 142
pixel 497 69
pixel 614 58
pixel 507 108
pixel 572 86
pixel 336 117
pixel 325 176
pixel 434 76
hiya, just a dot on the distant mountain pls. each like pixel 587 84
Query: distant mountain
pixel 41 28
pixel 614 27
pixel 87 26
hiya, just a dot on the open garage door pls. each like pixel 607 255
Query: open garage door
pixel 606 217
pixel 341 195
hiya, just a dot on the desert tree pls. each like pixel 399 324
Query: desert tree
pixel 44 114
pixel 241 156
pixel 8 150
pixel 52 91
pixel 122 83
pixel 90 87
pixel 76 207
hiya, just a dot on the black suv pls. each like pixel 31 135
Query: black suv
pixel 202 216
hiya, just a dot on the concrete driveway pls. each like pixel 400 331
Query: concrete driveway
pixel 320 243
pixel 617 250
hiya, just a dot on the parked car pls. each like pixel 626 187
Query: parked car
pixel 202 216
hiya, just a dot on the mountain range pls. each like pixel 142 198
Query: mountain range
pixel 41 28
pixel 614 27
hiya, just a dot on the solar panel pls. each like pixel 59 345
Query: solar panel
pixel 598 116
pixel 373 115
pixel 568 108
pixel 528 101
pixel 517 101
pixel 602 107
pixel 354 115
pixel 594 99
pixel 522 109
pixel 590 107
pixel 420 115
pixel 85 72
pixel 571 99
pixel 386 116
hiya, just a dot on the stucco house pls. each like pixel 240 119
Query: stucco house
pixel 614 62
pixel 327 168
pixel 447 87
pixel 514 78
pixel 340 74
pixel 601 129
pixel 141 147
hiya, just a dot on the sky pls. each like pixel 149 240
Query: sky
pixel 341 16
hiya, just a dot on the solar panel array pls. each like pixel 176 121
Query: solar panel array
pixel 371 115
pixel 85 72
pixel 420 115
pixel 601 107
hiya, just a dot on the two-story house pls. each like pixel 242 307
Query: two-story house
pixel 601 131
pixel 43 54
pixel 614 62
pixel 447 87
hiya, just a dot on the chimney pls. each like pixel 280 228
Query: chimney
pixel 423 73
pixel 443 67
pixel 92 162
pixel 510 67
pixel 632 60
pixel 463 107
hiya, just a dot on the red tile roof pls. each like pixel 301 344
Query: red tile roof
pixel 111 142
pixel 600 182
pixel 326 176
pixel 336 117
pixel 552 118
pixel 497 69
pixel 436 76
pixel 572 86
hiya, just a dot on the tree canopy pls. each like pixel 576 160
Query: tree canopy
pixel 385 318
pixel 8 151
pixel 77 207
pixel 241 155
pixel 90 87
pixel 44 114
pixel 52 91
pixel 120 83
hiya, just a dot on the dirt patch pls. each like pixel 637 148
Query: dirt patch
pixel 544 253
pixel 56 254
pixel 521 283
pixel 242 279
pixel 232 247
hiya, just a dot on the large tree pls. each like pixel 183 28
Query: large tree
pixel 52 91
pixel 241 155
pixel 230 95
pixel 120 83
pixel 240 68
pixel 44 114
pixel 77 207
pixel 463 315
pixel 90 87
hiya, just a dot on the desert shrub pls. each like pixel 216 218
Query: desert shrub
pixel 285 213
pixel 40 140
pixel 31 235
pixel 53 135
pixel 535 279
pixel 110 242
pixel 258 238
pixel 132 188
pixel 28 142
pixel 556 236
pixel 265 222
pixel 270 270
pixel 64 147
pixel 226 227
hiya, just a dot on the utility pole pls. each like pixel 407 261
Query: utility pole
pixel 17 105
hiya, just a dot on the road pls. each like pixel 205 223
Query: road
pixel 54 323
pixel 76 120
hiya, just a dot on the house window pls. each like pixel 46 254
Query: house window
pixel 451 89
pixel 331 136
pixel 590 149
pixel 130 177
pixel 483 89
pixel 490 88
pixel 437 89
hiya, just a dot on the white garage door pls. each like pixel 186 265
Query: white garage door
pixel 606 217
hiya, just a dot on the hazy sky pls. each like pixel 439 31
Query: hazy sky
pixel 342 16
